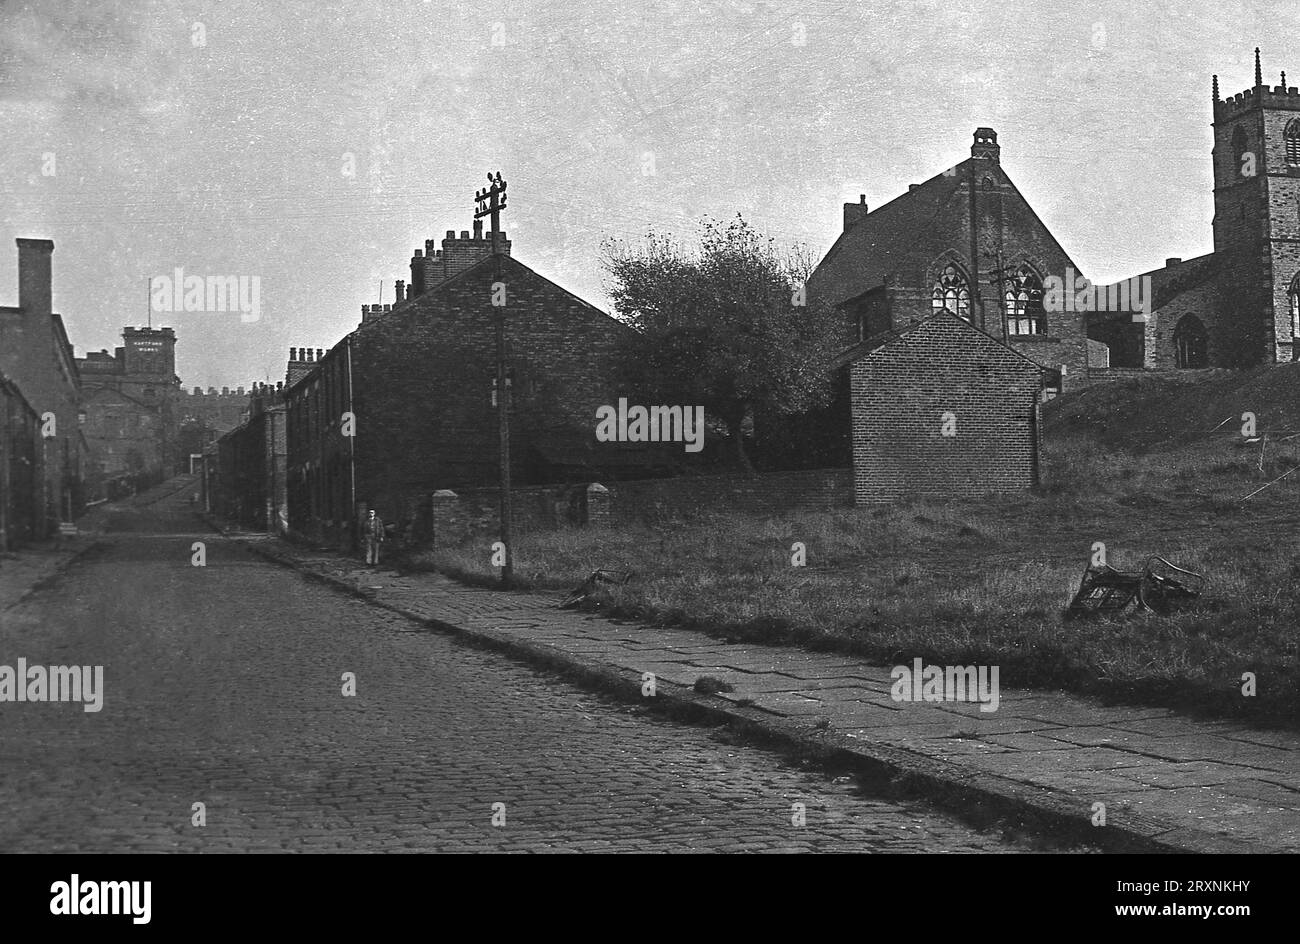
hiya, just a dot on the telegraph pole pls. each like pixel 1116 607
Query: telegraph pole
pixel 490 203
pixel 998 279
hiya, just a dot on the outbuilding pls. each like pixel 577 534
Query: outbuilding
pixel 941 409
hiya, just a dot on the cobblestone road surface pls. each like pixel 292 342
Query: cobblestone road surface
pixel 223 685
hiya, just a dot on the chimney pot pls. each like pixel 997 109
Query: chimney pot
pixel 293 351
pixel 464 234
pixel 451 234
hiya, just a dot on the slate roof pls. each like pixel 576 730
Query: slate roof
pixel 868 252
pixel 1168 282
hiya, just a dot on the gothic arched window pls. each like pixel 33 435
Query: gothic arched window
pixel 1238 150
pixel 1292 138
pixel 1293 293
pixel 951 293
pixel 1023 298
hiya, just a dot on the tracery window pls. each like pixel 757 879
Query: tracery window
pixel 1023 302
pixel 951 293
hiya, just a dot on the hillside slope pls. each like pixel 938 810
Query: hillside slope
pixel 1174 410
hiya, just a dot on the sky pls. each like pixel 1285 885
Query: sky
pixel 313 144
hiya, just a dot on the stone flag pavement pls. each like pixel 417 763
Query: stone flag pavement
pixel 1127 778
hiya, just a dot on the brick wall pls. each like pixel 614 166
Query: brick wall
pixel 464 512
pixel 900 393
pixel 20 468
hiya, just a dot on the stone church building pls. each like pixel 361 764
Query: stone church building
pixel 1238 306
pixel 964 243
pixel 967 242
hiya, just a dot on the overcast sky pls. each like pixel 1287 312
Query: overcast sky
pixel 215 136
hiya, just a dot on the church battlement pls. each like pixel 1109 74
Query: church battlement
pixel 1260 95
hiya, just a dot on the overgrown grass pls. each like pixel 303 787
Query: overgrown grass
pixel 985 581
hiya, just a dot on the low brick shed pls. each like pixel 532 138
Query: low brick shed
pixel 939 409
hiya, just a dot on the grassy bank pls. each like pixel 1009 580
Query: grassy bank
pixel 985 581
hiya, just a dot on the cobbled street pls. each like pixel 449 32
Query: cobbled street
pixel 224 686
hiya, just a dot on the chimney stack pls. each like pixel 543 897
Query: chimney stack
pixel 417 274
pixel 855 213
pixel 34 275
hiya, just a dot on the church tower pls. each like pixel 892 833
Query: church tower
pixel 1257 223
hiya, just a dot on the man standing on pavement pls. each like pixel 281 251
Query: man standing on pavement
pixel 373 532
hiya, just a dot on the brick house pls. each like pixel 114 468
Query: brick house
pixel 942 409
pixel 418 378
pixel 38 359
pixel 245 474
pixel 1238 306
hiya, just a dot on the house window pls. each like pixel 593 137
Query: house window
pixel 1023 302
pixel 951 293
pixel 1293 294
pixel 1292 138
